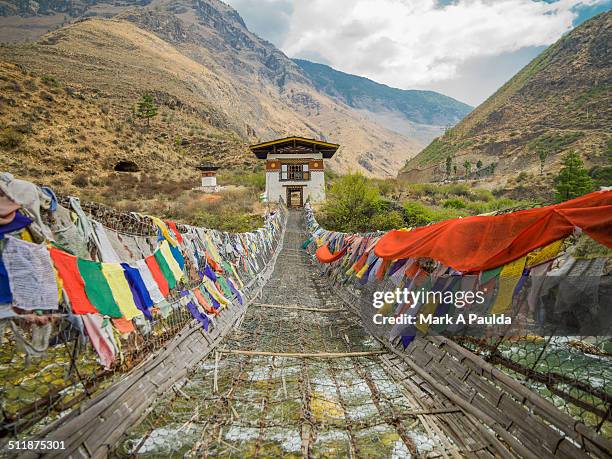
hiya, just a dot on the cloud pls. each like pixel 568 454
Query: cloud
pixel 411 42
pixel 414 43
pixel 478 78
pixel 269 19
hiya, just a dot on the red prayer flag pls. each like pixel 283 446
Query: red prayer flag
pixel 480 243
pixel 325 256
pixel 74 285
pixel 157 275
pixel 123 325
pixel 203 302
pixel 172 225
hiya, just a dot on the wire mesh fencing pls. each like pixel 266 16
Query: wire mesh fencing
pixel 572 372
pixel 47 363
pixel 38 384
pixel 575 373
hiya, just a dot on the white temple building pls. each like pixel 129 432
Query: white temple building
pixel 294 169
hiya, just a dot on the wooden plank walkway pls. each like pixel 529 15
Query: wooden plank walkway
pixel 295 379
pixel 257 387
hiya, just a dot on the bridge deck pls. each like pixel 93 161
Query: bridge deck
pixel 237 405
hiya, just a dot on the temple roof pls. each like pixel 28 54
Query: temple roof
pixel 294 145
pixel 207 167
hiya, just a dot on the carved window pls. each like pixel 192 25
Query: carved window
pixel 297 172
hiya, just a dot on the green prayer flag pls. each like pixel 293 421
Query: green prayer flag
pixel 97 288
pixel 225 288
pixel 486 276
pixel 165 269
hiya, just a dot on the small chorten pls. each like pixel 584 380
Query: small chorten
pixel 209 178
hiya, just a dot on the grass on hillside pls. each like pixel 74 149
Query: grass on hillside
pixel 554 142
pixel 54 135
pixel 236 208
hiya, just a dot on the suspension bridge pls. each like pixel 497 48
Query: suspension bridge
pixel 294 369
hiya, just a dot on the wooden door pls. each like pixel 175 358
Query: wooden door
pixel 295 197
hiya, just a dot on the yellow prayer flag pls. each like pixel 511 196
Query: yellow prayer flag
pixel 113 272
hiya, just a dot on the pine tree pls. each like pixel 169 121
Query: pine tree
pixel 573 179
pixel 468 167
pixel 146 108
pixel 449 162
pixel 542 154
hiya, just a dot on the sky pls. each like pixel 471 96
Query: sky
pixel 462 48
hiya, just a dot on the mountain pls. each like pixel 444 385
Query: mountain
pixel 409 112
pixel 214 80
pixel 560 101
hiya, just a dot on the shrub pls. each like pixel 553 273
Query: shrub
pixel 330 176
pixel 386 187
pixel 502 203
pixel 601 175
pixel 481 195
pixel 24 128
pixel 351 203
pixel 478 207
pixel 14 86
pixel 10 138
pixel 416 214
pixel 455 203
pixel 439 214
pixel 50 81
pixel 30 85
pixel 80 180
pixel 457 189
pixel 498 191
pixel 415 189
pixel 384 221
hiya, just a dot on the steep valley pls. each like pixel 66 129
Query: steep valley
pixel 559 102
pixel 214 80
